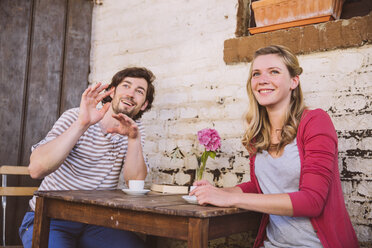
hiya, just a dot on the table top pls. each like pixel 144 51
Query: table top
pixel 169 204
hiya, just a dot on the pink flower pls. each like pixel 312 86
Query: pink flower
pixel 210 139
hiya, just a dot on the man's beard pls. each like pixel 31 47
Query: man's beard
pixel 117 109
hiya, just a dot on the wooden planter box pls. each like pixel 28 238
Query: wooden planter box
pixel 277 14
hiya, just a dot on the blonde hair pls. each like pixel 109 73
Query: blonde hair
pixel 257 136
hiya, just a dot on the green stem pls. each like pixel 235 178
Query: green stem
pixel 203 160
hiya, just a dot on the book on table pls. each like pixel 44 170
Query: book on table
pixel 171 189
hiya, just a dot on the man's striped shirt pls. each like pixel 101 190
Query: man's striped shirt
pixel 95 162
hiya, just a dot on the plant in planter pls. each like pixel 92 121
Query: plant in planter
pixel 277 14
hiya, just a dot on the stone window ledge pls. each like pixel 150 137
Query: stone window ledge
pixel 331 35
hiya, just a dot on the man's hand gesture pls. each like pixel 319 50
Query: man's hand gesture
pixel 89 114
pixel 125 126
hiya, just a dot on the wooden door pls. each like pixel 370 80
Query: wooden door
pixel 44 67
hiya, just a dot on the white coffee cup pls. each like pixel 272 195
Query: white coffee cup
pixel 136 184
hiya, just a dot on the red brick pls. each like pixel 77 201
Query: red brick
pixel 257 41
pixel 330 36
pixel 368 26
pixel 278 37
pixel 230 51
pixel 310 39
pixel 246 49
pixel 294 37
pixel 351 32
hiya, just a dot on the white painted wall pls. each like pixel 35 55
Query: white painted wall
pixel 182 43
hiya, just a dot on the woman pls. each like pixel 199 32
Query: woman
pixel 295 180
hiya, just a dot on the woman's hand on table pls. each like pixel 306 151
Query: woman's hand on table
pixel 208 194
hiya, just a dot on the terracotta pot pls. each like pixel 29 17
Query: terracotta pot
pixel 294 12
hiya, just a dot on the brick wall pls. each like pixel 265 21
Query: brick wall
pixel 182 42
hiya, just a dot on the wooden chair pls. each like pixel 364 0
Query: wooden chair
pixel 12 191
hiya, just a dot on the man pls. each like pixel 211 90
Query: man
pixel 86 150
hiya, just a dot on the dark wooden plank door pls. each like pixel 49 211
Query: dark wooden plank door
pixel 44 67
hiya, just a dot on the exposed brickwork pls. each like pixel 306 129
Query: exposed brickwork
pixel 331 35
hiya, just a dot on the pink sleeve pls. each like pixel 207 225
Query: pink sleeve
pixel 318 147
pixel 248 187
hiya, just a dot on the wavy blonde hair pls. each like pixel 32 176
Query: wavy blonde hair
pixel 257 135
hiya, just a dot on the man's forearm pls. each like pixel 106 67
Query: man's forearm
pixel 48 157
pixel 134 165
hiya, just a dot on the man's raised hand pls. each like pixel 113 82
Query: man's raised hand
pixel 89 114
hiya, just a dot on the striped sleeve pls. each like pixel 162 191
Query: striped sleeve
pixel 61 125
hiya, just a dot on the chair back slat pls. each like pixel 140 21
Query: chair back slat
pixel 5 191
pixel 13 170
pixel 17 191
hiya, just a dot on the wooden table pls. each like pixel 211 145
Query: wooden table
pixel 151 214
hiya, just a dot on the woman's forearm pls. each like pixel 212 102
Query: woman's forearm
pixel 278 204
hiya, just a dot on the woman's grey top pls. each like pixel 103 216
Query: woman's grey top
pixel 282 175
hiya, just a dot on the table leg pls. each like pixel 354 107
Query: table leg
pixel 151 241
pixel 198 233
pixel 40 236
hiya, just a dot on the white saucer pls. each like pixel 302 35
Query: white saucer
pixel 136 192
pixel 190 199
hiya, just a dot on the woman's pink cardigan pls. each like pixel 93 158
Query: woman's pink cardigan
pixel 320 195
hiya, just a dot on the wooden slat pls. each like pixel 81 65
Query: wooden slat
pixel 157 203
pixel 139 221
pixel 45 72
pixel 41 225
pixel 17 191
pixel 14 170
pixel 14 34
pixel 241 223
pixel 284 25
pixel 198 233
pixel 15 27
pixel 77 53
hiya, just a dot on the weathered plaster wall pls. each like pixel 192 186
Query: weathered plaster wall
pixel 182 42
